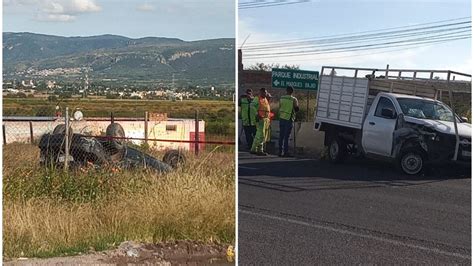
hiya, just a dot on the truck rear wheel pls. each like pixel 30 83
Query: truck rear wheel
pixel 337 150
pixel 411 162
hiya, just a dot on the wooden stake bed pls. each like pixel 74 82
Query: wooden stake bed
pixel 346 93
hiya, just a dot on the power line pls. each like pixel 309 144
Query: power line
pixel 359 39
pixel 357 36
pixel 354 46
pixel 263 3
pixel 410 46
pixel 365 47
pixel 360 32
pixel 251 2
pixel 467 36
pixel 381 39
pixel 254 2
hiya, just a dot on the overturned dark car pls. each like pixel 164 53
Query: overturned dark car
pixel 110 150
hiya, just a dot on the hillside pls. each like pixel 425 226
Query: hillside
pixel 111 57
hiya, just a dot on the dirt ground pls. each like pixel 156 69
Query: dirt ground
pixel 132 253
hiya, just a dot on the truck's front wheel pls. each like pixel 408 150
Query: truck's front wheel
pixel 337 150
pixel 411 162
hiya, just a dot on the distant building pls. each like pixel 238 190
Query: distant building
pixel 29 83
pixel 50 84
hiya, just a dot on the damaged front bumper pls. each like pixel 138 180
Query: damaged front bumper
pixel 442 149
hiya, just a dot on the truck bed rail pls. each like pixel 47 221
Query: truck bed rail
pixel 346 93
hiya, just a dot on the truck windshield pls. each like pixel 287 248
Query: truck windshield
pixel 425 109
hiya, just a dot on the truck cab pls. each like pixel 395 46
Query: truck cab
pixel 415 131
pixel 410 130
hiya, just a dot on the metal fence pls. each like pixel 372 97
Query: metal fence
pixel 70 138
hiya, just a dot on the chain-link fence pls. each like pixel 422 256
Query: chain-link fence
pixel 120 135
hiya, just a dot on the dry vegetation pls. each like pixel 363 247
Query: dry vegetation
pixel 49 213
pixel 121 108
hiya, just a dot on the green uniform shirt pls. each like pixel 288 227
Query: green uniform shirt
pixel 248 111
pixel 287 107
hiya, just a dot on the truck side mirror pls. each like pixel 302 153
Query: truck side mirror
pixel 464 119
pixel 388 113
pixel 400 121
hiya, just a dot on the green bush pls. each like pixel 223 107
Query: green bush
pixel 219 128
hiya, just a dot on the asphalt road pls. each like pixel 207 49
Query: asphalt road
pixel 302 212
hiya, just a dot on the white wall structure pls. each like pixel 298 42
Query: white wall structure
pixel 171 129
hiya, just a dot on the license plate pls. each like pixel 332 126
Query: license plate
pixel 466 153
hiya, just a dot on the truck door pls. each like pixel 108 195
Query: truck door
pixel 377 133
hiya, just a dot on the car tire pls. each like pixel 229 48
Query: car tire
pixel 116 130
pixel 411 161
pixel 116 148
pixel 61 129
pixel 174 158
pixel 337 150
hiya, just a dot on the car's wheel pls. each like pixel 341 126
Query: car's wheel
pixel 61 129
pixel 115 130
pixel 337 150
pixel 174 158
pixel 115 147
pixel 411 162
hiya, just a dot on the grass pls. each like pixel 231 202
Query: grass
pixel 50 213
pixel 121 108
pixel 219 115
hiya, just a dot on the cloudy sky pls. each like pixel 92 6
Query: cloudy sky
pixel 187 19
pixel 318 18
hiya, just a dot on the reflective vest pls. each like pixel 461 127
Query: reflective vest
pixel 287 111
pixel 263 107
pixel 248 111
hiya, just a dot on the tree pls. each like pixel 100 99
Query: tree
pixel 52 98
pixel 268 67
pixel 21 95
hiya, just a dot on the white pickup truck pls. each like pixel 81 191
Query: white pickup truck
pixel 410 130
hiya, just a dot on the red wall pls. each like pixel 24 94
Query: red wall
pixel 202 137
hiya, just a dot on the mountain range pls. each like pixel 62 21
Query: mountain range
pixel 111 57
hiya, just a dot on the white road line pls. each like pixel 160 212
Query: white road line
pixel 342 231
pixel 248 168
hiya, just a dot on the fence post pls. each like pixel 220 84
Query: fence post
pixel 146 127
pixel 196 133
pixel 112 120
pixel 4 135
pixel 31 132
pixel 294 137
pixel 307 107
pixel 66 138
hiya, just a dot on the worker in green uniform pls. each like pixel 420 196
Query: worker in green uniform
pixel 248 112
pixel 263 120
pixel 287 113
